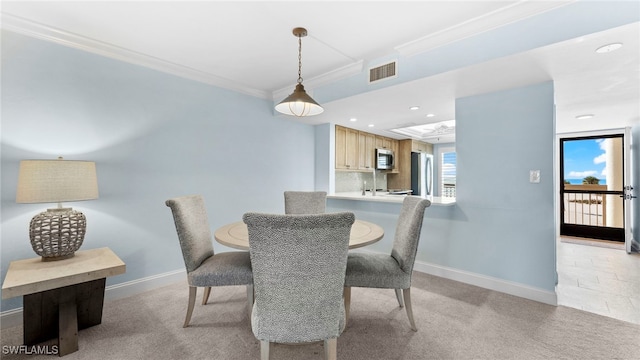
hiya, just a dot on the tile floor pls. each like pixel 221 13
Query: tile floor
pixel 599 277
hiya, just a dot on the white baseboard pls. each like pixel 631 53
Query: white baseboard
pixel 10 318
pixel 13 317
pixel 491 283
pixel 486 282
pixel 134 287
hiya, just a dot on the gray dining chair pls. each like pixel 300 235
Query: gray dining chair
pixel 299 263
pixel 390 271
pixel 305 202
pixel 204 268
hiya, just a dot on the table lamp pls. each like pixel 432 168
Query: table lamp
pixel 57 233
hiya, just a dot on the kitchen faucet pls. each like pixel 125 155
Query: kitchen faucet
pixel 373 191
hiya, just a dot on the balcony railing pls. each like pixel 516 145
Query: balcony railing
pixel 585 208
pixel 449 190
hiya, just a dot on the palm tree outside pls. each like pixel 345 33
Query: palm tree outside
pixel 590 180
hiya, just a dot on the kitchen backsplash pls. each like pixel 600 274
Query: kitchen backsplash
pixel 348 181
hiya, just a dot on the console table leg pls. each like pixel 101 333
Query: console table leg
pixel 67 328
pixel 60 313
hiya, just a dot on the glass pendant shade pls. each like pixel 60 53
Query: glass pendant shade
pixel 299 103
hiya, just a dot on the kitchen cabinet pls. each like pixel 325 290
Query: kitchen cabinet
pixel 420 146
pixel 355 150
pixel 383 142
pixel 401 175
pixel 366 150
pixel 346 148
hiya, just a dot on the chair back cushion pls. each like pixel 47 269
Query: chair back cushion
pixel 299 263
pixel 305 202
pixel 405 242
pixel 192 225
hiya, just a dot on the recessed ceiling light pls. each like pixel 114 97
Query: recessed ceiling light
pixel 414 108
pixel 371 125
pixel 353 119
pixel 430 115
pixel 584 116
pixel 608 48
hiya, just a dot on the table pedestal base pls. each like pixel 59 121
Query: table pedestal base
pixel 62 312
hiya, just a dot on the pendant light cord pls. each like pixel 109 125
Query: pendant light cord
pixel 299 59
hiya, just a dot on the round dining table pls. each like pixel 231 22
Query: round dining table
pixel 236 235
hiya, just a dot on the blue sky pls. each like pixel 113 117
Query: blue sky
pixel 584 158
pixel 449 165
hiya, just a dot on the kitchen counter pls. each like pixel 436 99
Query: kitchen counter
pixel 383 196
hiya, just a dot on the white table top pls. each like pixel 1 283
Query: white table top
pixel 34 275
pixel 236 235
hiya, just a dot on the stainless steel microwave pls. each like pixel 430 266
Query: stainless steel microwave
pixel 384 159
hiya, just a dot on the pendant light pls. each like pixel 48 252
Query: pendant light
pixel 299 103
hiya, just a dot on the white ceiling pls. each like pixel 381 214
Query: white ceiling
pixel 248 47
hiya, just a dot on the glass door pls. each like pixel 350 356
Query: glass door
pixel 592 190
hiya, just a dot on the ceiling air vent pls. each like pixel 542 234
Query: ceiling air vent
pixel 382 72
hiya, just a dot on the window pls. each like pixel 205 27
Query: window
pixel 447 172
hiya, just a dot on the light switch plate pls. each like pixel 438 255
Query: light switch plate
pixel 534 176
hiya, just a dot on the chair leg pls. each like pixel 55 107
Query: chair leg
pixel 347 304
pixel 399 297
pixel 407 302
pixel 331 349
pixel 250 298
pixel 264 350
pixel 205 296
pixel 192 301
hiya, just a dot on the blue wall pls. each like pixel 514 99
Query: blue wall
pixel 153 136
pixel 502 226
pixel 507 223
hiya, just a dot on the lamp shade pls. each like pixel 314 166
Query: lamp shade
pixel 299 103
pixel 55 181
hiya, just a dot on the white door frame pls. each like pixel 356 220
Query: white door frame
pixel 626 132
pixel 629 241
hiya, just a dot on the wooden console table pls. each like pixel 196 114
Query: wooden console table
pixel 61 297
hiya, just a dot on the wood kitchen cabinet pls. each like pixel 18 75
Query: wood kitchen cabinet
pixel 383 142
pixel 355 150
pixel 420 146
pixel 366 150
pixel 346 148
pixel 395 147
pixel 401 178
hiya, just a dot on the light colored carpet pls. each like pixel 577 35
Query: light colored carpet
pixel 455 321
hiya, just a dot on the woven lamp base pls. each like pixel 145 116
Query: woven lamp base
pixel 57 233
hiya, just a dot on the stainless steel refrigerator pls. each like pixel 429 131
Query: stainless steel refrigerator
pixel 422 174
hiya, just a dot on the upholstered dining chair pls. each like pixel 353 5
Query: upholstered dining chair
pixel 305 202
pixel 390 271
pixel 204 268
pixel 299 263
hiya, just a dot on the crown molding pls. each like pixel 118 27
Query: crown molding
pixel 51 34
pixel 503 16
